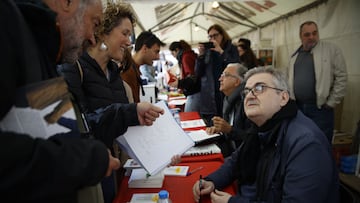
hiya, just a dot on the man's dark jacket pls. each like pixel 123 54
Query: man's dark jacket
pixel 301 170
pixel 234 104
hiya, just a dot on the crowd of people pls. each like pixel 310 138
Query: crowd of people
pixel 276 128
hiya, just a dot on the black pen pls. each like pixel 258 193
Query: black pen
pixel 200 187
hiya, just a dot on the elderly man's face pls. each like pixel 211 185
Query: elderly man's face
pixel 229 80
pixel 260 106
pixel 78 28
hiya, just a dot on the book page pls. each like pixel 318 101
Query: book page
pixel 154 146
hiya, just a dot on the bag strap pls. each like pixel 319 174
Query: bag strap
pixel 80 70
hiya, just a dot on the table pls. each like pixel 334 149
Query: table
pixel 179 188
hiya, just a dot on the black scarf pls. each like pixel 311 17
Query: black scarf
pixel 253 147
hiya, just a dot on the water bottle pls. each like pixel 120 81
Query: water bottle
pixel 164 197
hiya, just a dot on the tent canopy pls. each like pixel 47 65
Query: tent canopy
pixel 189 20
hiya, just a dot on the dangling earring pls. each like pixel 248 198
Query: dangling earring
pixel 103 46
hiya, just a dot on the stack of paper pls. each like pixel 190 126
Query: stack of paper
pixel 141 179
pixel 144 198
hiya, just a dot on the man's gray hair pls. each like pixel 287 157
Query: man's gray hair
pixel 307 23
pixel 279 78
pixel 83 4
pixel 240 69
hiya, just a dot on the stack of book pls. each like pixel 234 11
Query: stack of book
pixel 203 150
pixel 140 178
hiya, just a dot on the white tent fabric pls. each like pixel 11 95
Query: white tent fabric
pixel 172 20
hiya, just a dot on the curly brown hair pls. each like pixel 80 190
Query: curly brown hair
pixel 113 15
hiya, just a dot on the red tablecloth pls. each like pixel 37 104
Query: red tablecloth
pixel 202 158
pixel 185 116
pixel 180 188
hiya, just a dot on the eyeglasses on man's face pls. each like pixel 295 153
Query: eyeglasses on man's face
pixel 226 74
pixel 258 89
pixel 213 35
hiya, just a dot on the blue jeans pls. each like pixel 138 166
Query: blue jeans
pixel 323 118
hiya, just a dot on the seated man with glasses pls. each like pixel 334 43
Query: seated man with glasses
pixel 233 121
pixel 284 158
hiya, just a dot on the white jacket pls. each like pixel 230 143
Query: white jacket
pixel 330 74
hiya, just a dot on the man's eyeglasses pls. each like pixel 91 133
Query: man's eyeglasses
pixel 225 74
pixel 213 35
pixel 258 89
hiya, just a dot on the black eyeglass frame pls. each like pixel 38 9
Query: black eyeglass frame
pixel 225 75
pixel 258 88
pixel 213 35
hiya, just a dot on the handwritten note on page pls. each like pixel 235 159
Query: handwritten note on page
pixel 153 146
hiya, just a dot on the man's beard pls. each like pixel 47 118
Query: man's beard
pixel 73 39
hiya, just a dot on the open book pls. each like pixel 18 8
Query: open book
pixel 154 146
pixel 201 137
pixel 42 109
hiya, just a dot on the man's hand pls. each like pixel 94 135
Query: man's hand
pixel 114 164
pixel 217 47
pixel 221 125
pixel 206 188
pixel 211 130
pixel 219 197
pixel 147 113
pixel 175 160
